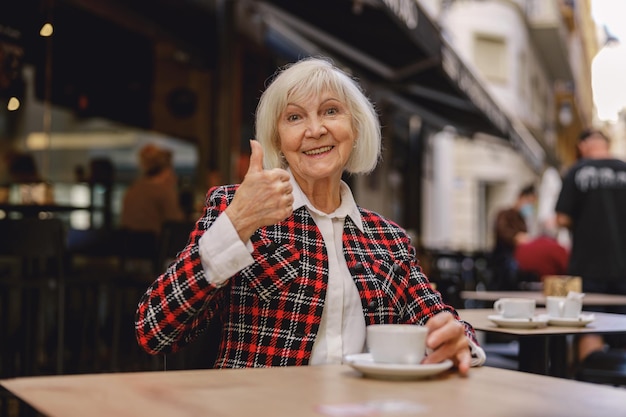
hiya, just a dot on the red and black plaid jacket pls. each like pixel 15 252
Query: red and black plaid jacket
pixel 271 310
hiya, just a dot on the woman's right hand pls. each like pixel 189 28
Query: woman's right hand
pixel 265 197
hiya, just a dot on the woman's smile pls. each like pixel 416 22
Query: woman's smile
pixel 318 151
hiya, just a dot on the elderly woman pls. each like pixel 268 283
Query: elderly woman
pixel 286 261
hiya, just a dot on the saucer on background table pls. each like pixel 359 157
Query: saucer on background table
pixel 530 323
pixel 580 321
pixel 364 363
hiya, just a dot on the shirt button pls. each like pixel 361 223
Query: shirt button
pixel 372 305
pixel 359 268
pixel 396 268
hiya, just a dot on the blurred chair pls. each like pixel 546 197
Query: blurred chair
pixel 33 310
pixel 94 256
pixel 173 239
pixel 138 251
pixel 111 268
pixel 137 256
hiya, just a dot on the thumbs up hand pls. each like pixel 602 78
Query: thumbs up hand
pixel 263 198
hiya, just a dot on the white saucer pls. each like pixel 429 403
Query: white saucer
pixel 580 321
pixel 531 323
pixel 364 363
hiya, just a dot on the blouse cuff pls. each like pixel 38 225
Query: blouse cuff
pixel 478 354
pixel 222 252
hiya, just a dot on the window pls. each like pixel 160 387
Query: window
pixel 490 58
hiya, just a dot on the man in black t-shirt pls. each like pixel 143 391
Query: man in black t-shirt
pixel 592 204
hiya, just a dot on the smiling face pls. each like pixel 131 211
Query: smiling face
pixel 316 137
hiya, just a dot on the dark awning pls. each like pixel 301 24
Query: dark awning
pixel 395 45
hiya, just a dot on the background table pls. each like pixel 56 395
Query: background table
pixel 590 299
pixel 544 350
pixel 305 391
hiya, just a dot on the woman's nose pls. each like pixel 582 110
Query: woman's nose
pixel 316 128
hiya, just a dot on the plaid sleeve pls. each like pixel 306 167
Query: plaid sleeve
pixel 178 305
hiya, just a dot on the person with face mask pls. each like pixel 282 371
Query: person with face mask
pixel 511 229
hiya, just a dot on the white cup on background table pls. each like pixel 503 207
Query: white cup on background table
pixel 515 308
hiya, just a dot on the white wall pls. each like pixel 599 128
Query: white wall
pixel 527 91
pixel 470 164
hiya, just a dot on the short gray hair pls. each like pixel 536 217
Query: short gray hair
pixel 309 76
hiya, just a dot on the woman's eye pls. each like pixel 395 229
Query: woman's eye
pixel 332 110
pixel 292 117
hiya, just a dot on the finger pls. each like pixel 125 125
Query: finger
pixel 451 331
pixel 457 350
pixel 434 323
pixel 256 157
pixel 464 358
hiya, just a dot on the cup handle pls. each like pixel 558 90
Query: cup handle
pixel 498 306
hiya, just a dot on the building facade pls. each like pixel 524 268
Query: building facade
pixel 534 57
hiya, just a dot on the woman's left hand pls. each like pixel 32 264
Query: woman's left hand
pixel 447 340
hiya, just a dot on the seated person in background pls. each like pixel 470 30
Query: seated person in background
pixel 286 261
pixel 153 198
pixel 511 230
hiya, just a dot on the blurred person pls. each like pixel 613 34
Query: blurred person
pixel 23 168
pixel 23 174
pixel 591 204
pixel 286 261
pixel 153 198
pixel 511 229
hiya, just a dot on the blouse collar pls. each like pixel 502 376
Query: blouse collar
pixel 347 208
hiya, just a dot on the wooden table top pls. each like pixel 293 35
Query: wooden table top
pixel 313 391
pixel 590 299
pixel 602 323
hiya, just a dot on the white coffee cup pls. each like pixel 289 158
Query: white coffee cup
pixel 515 308
pixel 397 343
pixel 564 307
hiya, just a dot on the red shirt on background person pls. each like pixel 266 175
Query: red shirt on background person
pixel 542 256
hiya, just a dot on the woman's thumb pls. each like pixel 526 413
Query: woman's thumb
pixel 256 157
